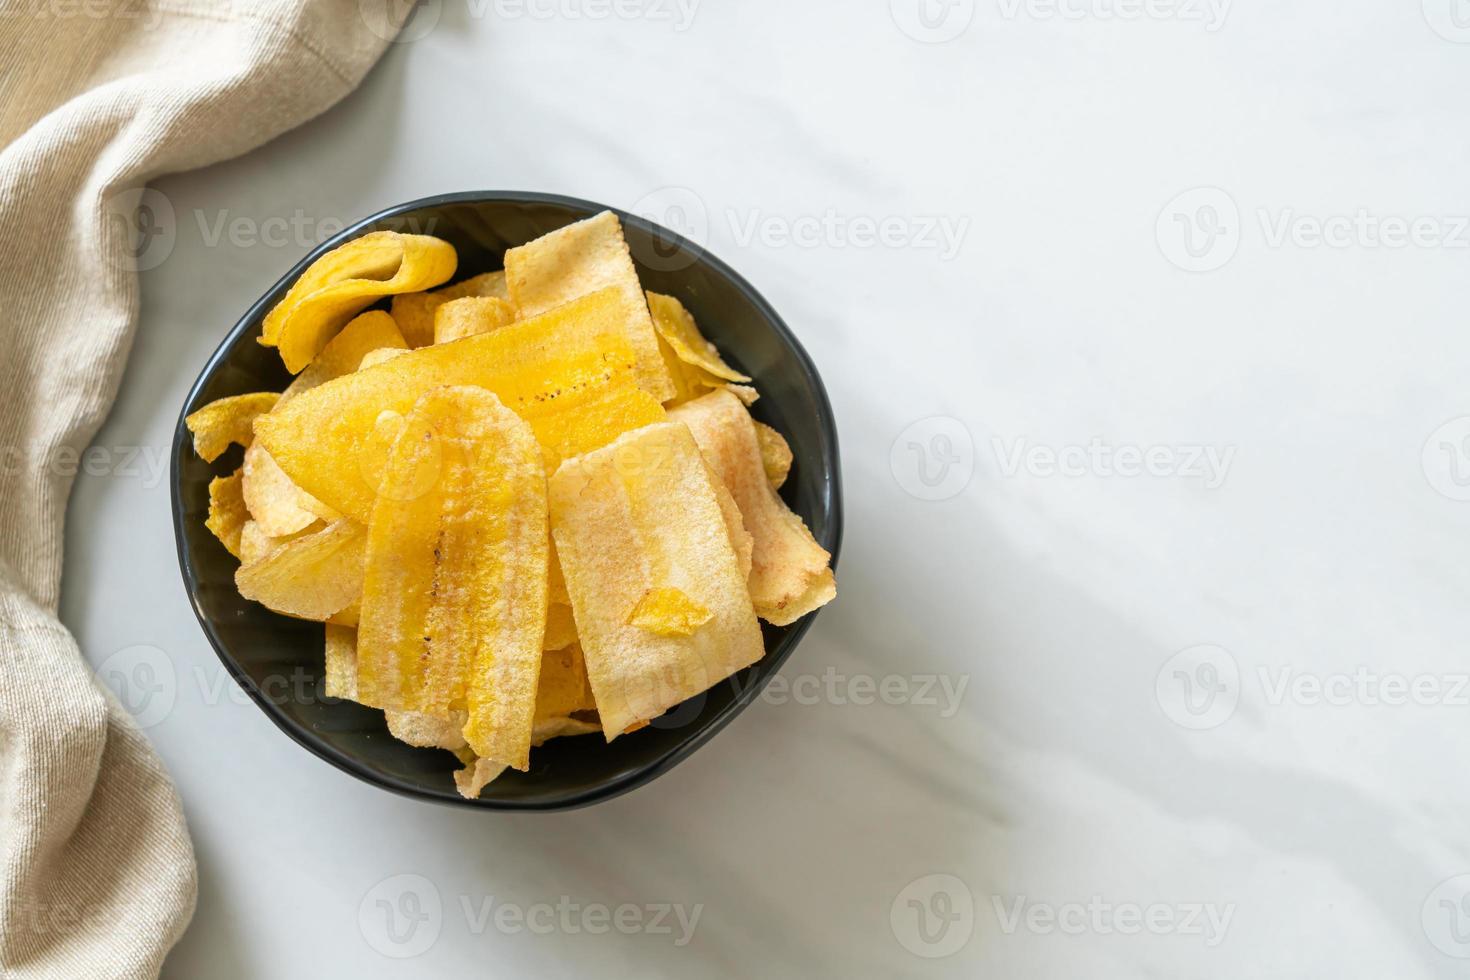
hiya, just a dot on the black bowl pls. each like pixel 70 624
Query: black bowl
pixel 279 660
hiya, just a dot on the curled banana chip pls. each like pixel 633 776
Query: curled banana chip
pixel 226 421
pixel 643 514
pixel 581 259
pixel 461 318
pixel 228 516
pixel 676 326
pixel 340 284
pixel 790 573
pixel 569 373
pixel 277 505
pixel 310 577
pixel 775 454
pixel 454 599
pixel 415 311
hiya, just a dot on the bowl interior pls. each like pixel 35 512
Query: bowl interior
pixel 279 660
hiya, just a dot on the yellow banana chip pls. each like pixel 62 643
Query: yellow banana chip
pixel 676 327
pixel 427 731
pixel 563 689
pixel 255 544
pixel 276 504
pixel 346 352
pixel 454 601
pixel 775 454
pixel 340 284
pixel 309 577
pixel 227 514
pixel 561 628
pixel 568 373
pixel 341 665
pixel 376 357
pixel 226 421
pixel 581 259
pixel 461 318
pixel 641 514
pixel 476 774
pixel 415 311
pixel 790 574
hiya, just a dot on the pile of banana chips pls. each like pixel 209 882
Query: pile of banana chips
pixel 527 505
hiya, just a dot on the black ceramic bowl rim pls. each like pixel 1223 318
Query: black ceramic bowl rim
pixel 681 750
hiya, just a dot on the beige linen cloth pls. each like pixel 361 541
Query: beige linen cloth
pixel 97 97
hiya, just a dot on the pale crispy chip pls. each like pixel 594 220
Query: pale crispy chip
pixel 476 774
pixel 461 318
pixel 341 668
pixel 669 612
pixel 346 352
pixel 775 454
pixel 427 731
pixel 740 538
pixel 677 328
pixel 228 420
pixel 415 311
pixel 227 514
pixel 255 544
pixel 376 357
pixel 790 574
pixel 310 577
pixel 454 601
pixel 580 259
pixel 350 277
pixel 568 373
pixel 641 514
pixel 748 396
pixel 280 507
pixel 563 688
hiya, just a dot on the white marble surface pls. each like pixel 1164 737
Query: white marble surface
pixel 1321 537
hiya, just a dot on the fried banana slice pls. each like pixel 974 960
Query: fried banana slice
pixel 775 454
pixel 228 516
pixel 340 284
pixel 676 326
pixel 427 731
pixel 313 576
pixel 643 514
pixel 280 507
pixel 255 544
pixel 790 573
pixel 581 259
pixel 345 353
pixel 415 311
pixel 569 373
pixel 341 662
pixel 454 600
pixel 226 421
pixel 461 318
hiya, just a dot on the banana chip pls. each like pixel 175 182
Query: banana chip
pixel 427 731
pixel 461 318
pixel 346 352
pixel 561 627
pixel 415 311
pixel 347 279
pixel 454 601
pixel 775 454
pixel 255 544
pixel 228 516
pixel 643 514
pixel 790 574
pixel 676 327
pixel 276 504
pixel 380 356
pixel 226 421
pixel 568 373
pixel 341 662
pixel 476 774
pixel 309 577
pixel 580 259
pixel 563 689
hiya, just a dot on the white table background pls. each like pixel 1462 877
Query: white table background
pixel 1324 833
